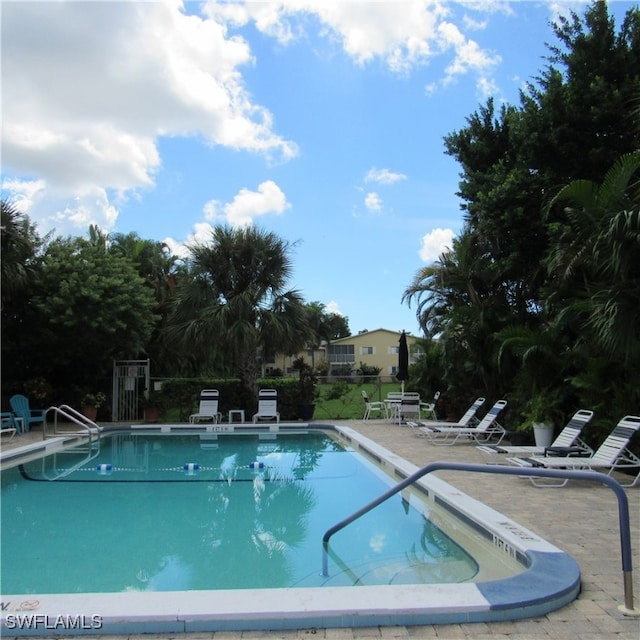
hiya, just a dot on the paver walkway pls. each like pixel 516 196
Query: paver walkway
pixel 581 519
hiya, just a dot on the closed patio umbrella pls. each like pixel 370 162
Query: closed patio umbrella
pixel 403 360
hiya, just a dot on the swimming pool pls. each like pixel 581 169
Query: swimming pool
pixel 411 559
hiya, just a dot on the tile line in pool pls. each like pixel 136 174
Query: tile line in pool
pixel 186 479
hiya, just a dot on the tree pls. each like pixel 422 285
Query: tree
pixel 595 258
pixel 20 267
pixel 460 302
pixel 323 326
pixel 160 270
pixel 20 248
pixel 92 308
pixel 235 305
pixel 573 122
pixel 153 260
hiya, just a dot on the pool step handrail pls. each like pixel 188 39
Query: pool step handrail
pixel 86 425
pixel 590 476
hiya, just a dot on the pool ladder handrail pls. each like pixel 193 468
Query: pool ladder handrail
pixel 92 429
pixel 590 476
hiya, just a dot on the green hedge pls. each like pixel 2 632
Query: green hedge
pixel 183 396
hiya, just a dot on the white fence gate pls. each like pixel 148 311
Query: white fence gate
pixel 131 381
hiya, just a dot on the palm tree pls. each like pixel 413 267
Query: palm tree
pixel 595 257
pixel 323 327
pixel 235 307
pixel 19 248
pixel 461 303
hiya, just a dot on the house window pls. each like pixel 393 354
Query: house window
pixel 341 354
pixel 367 351
pixel 393 351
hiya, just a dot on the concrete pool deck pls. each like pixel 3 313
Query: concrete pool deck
pixel 580 519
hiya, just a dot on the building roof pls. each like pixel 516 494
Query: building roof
pixel 354 336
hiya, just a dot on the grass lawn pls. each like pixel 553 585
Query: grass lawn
pixel 349 405
pixel 336 401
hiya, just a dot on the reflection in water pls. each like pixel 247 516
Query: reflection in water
pixel 229 524
pixel 439 559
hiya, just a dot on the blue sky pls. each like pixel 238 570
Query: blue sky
pixel 320 121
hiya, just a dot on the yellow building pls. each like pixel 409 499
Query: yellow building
pixel 377 348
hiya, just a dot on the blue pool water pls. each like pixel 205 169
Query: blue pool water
pixel 200 511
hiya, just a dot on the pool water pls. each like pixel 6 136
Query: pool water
pixel 168 512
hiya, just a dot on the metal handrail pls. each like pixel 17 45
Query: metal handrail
pixel 589 476
pixel 74 416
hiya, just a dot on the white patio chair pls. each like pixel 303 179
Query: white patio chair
pixel 267 406
pixel 429 408
pixel 208 409
pixel 373 407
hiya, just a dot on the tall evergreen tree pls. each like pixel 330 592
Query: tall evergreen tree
pixel 574 121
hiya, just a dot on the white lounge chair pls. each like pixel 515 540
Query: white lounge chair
pixel 567 443
pixel 612 455
pixel 486 429
pixel 373 407
pixel 267 406
pixel 208 409
pixel 468 419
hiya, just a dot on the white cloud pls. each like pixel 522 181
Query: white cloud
pixel 383 176
pixel 56 209
pixel 373 201
pixel 333 307
pixel 474 25
pixel 365 30
pixel 563 8
pixel 24 193
pixel 86 125
pixel 177 248
pixel 435 243
pixel 468 54
pixel 403 35
pixel 247 205
pixel 201 234
pixel 486 87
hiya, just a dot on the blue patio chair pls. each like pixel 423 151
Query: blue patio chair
pixel 20 406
